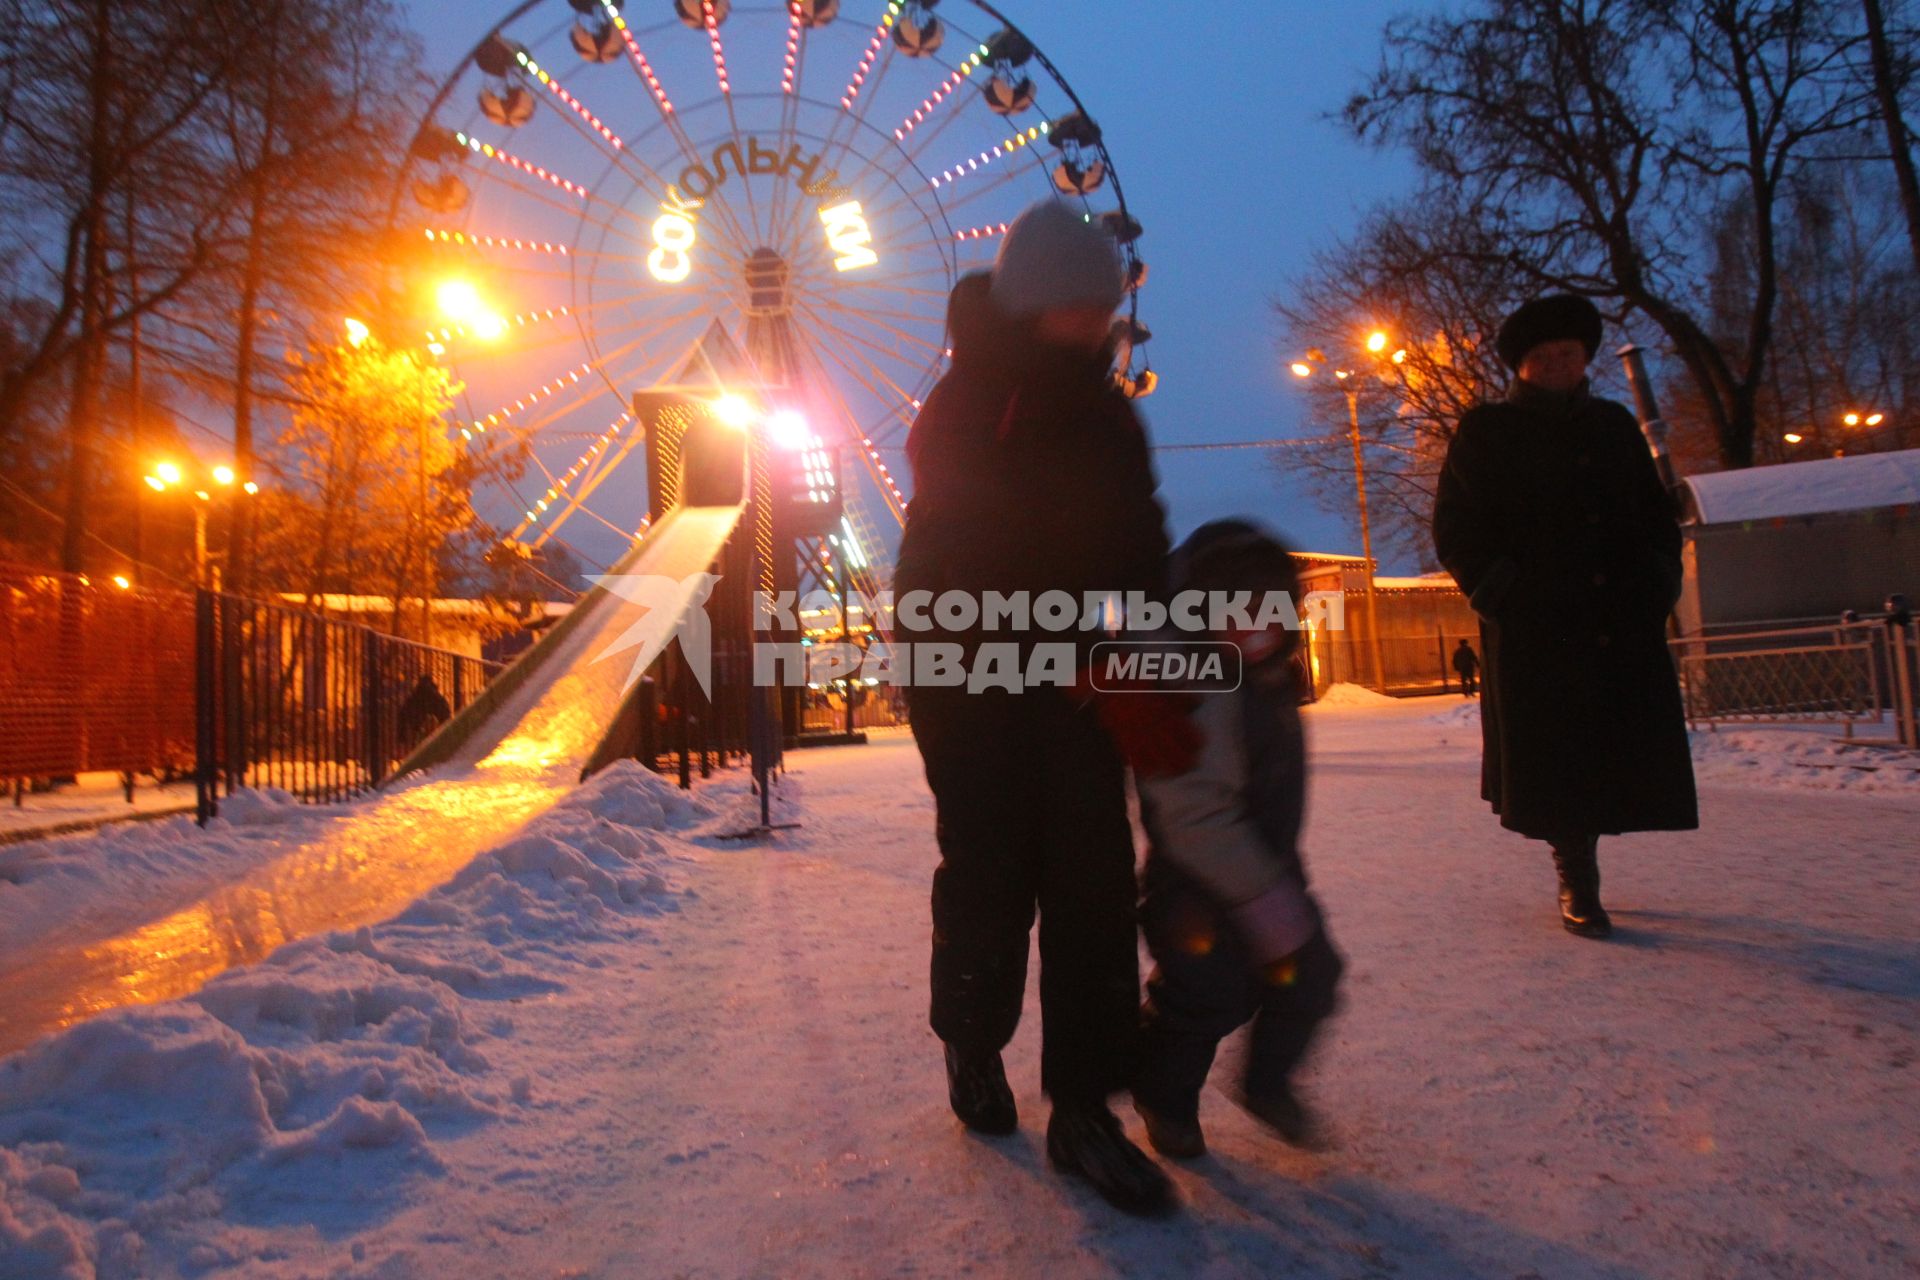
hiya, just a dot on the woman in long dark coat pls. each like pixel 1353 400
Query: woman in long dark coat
pixel 1553 520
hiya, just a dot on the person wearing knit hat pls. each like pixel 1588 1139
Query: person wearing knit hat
pixel 1055 260
pixel 1032 476
pixel 1552 517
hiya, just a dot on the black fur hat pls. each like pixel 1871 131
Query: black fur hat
pixel 1550 319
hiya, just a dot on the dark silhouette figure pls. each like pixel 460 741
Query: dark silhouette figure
pixel 1467 663
pixel 424 710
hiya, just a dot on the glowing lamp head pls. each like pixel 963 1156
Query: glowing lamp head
pixel 788 429
pixel 123 582
pixel 156 484
pixel 1792 437
pixel 488 326
pixel 223 475
pixel 168 472
pixel 1377 341
pixel 734 411
pixel 357 333
pixel 1302 369
pixel 1400 357
pixel 251 488
pixel 459 300
pixel 1852 419
pixel 1875 419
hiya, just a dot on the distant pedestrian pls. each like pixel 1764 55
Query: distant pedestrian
pixel 1032 475
pixel 424 710
pixel 1235 935
pixel 1467 663
pixel 1552 518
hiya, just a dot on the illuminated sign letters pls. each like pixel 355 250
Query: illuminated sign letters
pixel 850 237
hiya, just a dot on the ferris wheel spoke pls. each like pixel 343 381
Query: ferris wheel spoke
pixel 879 374
pixel 852 314
pixel 892 408
pixel 849 316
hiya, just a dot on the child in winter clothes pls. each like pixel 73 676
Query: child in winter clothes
pixel 1235 935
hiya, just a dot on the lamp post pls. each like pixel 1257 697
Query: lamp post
pixel 1347 377
pixel 221 478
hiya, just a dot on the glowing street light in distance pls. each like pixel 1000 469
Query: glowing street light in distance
pixel 357 333
pixel 788 429
pixel 733 411
pixel 1875 419
pixel 1793 437
pixel 1302 370
pixel 1377 341
pixel 223 475
pixel 459 300
pixel 168 472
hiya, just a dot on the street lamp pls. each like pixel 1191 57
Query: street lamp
pixel 169 475
pixel 1376 344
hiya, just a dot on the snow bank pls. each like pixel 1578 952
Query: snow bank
pixel 307 1090
pixel 1353 695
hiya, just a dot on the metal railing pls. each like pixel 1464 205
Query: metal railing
pixel 317 707
pixel 1852 672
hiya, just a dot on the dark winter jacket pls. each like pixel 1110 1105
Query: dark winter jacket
pixel 1030 472
pixel 1465 661
pixel 1553 520
pixel 1228 830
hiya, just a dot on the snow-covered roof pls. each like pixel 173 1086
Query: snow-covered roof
pixel 1860 482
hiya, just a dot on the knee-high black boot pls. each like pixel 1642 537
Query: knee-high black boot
pixel 1576 859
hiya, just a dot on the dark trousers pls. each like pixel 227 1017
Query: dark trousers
pixel 1469 681
pixel 1032 813
pixel 1204 987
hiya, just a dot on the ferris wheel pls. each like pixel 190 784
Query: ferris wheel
pixel 608 184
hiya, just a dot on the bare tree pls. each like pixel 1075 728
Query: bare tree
pixel 1889 78
pixel 1588 138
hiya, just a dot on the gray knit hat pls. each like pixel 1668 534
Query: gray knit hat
pixel 1054 257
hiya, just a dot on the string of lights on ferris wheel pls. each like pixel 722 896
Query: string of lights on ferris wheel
pixel 866 59
pixel 558 491
pixel 544 391
pixel 471 240
pixel 639 59
pixel 579 108
pixel 790 70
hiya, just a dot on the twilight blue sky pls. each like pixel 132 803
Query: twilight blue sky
pixel 1213 113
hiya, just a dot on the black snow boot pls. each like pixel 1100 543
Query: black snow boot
pixel 1577 861
pixel 1085 1138
pixel 1173 1138
pixel 978 1091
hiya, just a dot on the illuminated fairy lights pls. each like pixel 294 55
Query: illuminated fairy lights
pixel 557 490
pixel 981 233
pixel 471 241
pixel 712 23
pixel 1007 148
pixel 866 59
pixel 886 476
pixel 512 161
pixel 792 69
pixel 544 391
pixel 940 95
pixel 522 319
pixel 640 62
pixel 579 108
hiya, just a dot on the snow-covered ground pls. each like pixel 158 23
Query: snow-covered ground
pixel 92 797
pixel 621 1046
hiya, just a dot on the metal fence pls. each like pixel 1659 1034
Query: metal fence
pixel 320 708
pixel 93 677
pixel 1849 673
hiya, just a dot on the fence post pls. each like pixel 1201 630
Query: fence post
pixel 370 705
pixel 206 738
pixel 1899 621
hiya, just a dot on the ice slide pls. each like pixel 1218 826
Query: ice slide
pixel 503 761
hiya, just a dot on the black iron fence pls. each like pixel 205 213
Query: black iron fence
pixel 317 707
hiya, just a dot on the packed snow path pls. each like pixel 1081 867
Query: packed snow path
pixel 359 863
pixel 746 1086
